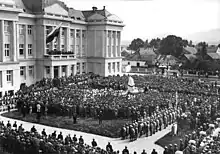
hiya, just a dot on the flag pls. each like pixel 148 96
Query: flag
pixel 131 81
pixel 54 33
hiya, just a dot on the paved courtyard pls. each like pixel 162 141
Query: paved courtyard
pixel 146 143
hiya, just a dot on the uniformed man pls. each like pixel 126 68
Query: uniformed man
pixel 94 143
pixel 43 133
pixel 60 136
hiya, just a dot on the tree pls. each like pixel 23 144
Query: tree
pixel 219 46
pixel 146 44
pixel 155 43
pixel 136 44
pixel 172 45
pixel 202 50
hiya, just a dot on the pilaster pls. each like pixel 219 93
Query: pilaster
pixel 67 39
pixel 2 41
pixel 60 71
pixel 25 42
pixel 14 33
pixel 81 42
pixel 51 71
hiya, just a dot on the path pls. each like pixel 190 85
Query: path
pixel 146 143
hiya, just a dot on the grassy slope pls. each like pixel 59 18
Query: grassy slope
pixel 109 128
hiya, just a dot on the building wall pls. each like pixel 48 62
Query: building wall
pixel 133 63
pixel 24 53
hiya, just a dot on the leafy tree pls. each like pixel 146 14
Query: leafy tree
pixel 219 46
pixel 155 43
pixel 146 44
pixel 202 50
pixel 136 44
pixel 172 45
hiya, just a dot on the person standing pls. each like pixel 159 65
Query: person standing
pixel 38 112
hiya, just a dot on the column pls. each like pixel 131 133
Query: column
pixel 81 42
pixel 2 41
pixel 51 71
pixel 119 44
pixel 68 39
pixel 4 79
pixel 44 40
pixel 74 41
pixel 68 70
pixel 106 43
pixel 59 39
pixel 103 44
pixel 26 42
pixel 115 44
pixel 14 50
pixel 34 44
pixel 110 43
pixel 60 71
pixel 94 43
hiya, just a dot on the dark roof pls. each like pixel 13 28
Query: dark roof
pixel 102 12
pixel 76 14
pixel 214 55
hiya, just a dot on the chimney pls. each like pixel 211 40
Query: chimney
pixel 94 8
pixel 103 7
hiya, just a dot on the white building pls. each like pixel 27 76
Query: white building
pixel 89 40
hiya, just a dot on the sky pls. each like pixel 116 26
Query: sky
pixel 147 19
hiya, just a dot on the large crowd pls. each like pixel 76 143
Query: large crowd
pixel 163 101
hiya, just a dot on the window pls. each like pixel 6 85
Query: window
pixel 109 51
pixel 62 32
pixel 47 30
pixel 21 49
pixel 78 33
pixel 7 50
pixel 29 49
pixel 9 75
pixel 72 48
pixel 109 67
pixel 47 48
pixel 29 29
pixel 55 45
pixel 84 34
pixel 22 71
pixel 78 68
pixel 6 26
pixel 77 50
pixel 31 70
pixel 62 48
pixel 118 67
pixel 71 32
pixel 83 50
pixel 118 35
pixel 21 29
pixel 109 33
pixel 83 67
pixel 113 66
pixel 47 69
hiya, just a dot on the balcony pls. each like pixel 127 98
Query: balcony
pixel 59 55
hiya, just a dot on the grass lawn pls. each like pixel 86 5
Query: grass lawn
pixel 109 128
pixel 169 139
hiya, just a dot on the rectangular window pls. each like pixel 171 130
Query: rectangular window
pixel 47 69
pixel 48 29
pixel 62 32
pixel 83 50
pixel 118 35
pixel 29 49
pixel 83 34
pixel 21 49
pixel 72 33
pixel 72 48
pixel 109 33
pixel 113 66
pixel 21 29
pixel 22 71
pixel 77 50
pixel 31 70
pixel 78 68
pixel 6 26
pixel 78 33
pixel 9 75
pixel 118 67
pixel 109 67
pixel 7 50
pixel 109 51
pixel 47 48
pixel 62 48
pixel 83 67
pixel 29 29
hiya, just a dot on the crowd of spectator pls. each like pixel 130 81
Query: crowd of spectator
pixel 164 101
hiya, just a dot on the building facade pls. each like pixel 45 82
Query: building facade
pixel 88 41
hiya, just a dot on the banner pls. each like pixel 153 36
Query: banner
pixel 54 33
